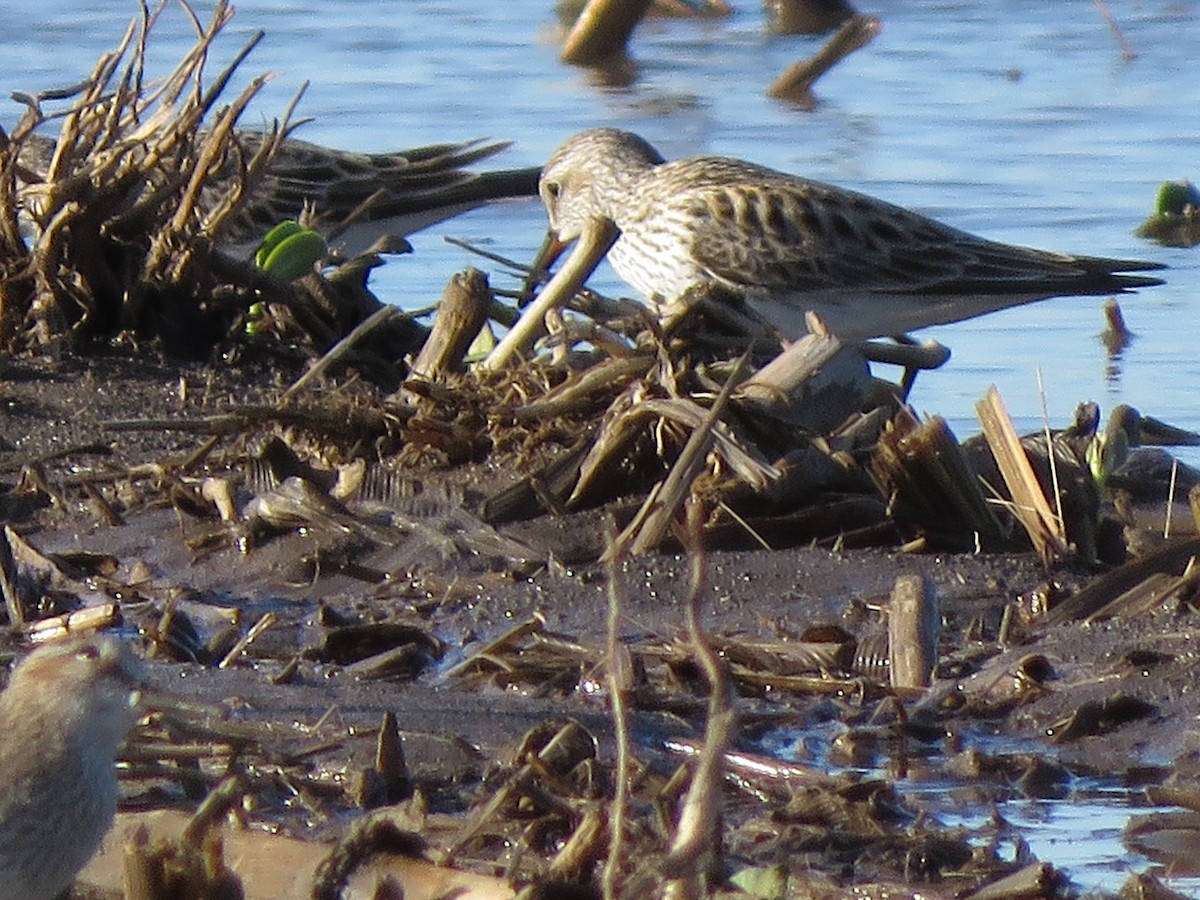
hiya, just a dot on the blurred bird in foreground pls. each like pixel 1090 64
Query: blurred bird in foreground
pixel 784 245
pixel 65 712
pixel 386 193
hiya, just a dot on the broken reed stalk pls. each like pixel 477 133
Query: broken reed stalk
pixel 650 526
pixel 1085 602
pixel 380 317
pixel 805 16
pixel 914 622
pixel 265 621
pixel 1158 591
pixel 815 384
pixel 1116 335
pixel 922 472
pixel 1051 456
pixel 8 582
pixel 1030 507
pixel 1166 533
pixel 577 391
pixel 461 313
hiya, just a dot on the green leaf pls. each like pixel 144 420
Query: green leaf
pixel 273 239
pixel 295 256
pixel 767 882
pixel 482 345
pixel 1174 198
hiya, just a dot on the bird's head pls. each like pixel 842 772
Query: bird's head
pixel 590 176
pixel 91 684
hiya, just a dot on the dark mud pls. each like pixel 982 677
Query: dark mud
pixel 1114 700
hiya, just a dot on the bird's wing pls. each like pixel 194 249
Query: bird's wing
pixel 343 181
pixel 787 234
pixel 396 184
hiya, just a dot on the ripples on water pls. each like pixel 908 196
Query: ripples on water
pixel 1018 120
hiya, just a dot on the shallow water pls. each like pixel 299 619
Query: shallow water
pixel 1017 119
pixel 1082 836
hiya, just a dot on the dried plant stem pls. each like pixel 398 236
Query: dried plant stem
pixel 619 676
pixel 380 317
pixel 650 526
pixel 698 833
pixel 1029 503
pixel 1052 458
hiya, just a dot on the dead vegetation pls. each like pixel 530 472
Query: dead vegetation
pixel 122 241
pixel 123 209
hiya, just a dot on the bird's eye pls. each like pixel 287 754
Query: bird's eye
pixel 553 189
pixel 88 651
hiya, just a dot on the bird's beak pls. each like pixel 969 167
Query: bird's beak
pixel 547 255
pixel 597 237
pixel 552 248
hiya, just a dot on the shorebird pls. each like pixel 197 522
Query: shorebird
pixel 403 192
pixel 784 245
pixel 66 710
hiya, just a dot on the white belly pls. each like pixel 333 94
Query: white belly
pixel 661 271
